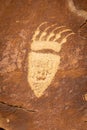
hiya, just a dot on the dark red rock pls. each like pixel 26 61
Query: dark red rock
pixel 63 106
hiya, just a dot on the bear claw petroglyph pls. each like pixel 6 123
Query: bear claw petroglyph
pixel 42 67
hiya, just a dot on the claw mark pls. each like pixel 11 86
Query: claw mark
pixel 42 67
pixel 45 31
pixel 52 33
pixel 59 34
pixel 49 27
pixel 38 30
pixel 58 28
pixel 54 45
pixel 65 38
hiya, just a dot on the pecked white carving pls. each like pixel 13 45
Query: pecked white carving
pixel 42 67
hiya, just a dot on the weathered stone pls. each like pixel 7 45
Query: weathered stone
pixel 43 65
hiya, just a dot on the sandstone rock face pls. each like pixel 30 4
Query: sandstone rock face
pixel 43 65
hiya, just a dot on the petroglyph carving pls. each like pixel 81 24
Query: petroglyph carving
pixel 42 67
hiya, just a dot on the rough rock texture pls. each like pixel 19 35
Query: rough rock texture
pixel 63 105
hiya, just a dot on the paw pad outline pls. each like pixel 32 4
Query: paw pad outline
pixel 42 67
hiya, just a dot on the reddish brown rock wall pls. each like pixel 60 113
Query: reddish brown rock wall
pixel 63 105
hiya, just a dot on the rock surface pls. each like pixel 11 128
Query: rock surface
pixel 63 104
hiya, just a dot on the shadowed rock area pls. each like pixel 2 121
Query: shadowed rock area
pixel 62 105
